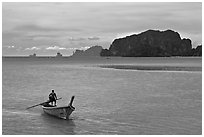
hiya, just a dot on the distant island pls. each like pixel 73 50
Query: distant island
pixel 59 55
pixel 152 43
pixel 33 55
pixel 91 52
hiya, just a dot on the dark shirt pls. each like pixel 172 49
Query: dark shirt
pixel 53 96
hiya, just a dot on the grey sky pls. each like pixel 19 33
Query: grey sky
pixel 45 28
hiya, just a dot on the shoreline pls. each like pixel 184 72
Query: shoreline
pixel 109 57
pixel 128 63
pixel 152 67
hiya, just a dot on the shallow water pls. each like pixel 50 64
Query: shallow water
pixel 107 101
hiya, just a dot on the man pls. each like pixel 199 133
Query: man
pixel 53 98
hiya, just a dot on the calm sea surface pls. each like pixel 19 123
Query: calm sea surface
pixel 107 101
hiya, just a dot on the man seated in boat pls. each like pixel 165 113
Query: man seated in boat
pixel 53 98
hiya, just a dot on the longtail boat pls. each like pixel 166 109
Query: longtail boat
pixel 60 112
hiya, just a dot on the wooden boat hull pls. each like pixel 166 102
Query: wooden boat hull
pixel 60 112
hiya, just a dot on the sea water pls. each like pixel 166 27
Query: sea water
pixel 107 101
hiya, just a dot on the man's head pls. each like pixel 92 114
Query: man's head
pixel 52 90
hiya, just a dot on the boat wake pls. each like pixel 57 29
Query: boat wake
pixel 17 112
pixel 103 124
pixel 105 121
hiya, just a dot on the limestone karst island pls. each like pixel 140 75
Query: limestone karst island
pixel 151 43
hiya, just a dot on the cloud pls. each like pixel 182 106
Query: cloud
pixel 30 23
pixel 76 39
pixel 80 48
pixel 55 48
pixel 93 38
pixel 44 28
pixel 32 48
pixel 33 27
pixel 10 47
pixel 11 38
pixel 83 38
pixel 84 48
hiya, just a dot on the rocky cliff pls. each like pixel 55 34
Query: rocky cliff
pixel 197 51
pixel 151 43
pixel 91 52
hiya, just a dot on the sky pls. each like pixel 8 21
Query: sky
pixel 46 28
